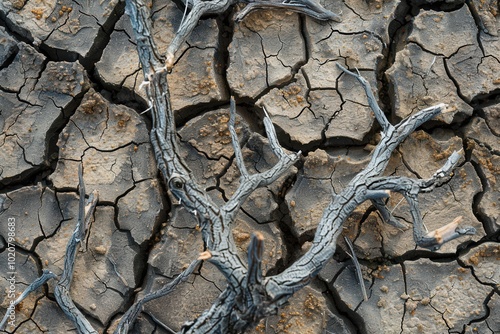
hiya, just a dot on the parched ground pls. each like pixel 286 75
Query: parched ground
pixel 70 94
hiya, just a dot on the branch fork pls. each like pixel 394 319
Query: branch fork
pixel 249 295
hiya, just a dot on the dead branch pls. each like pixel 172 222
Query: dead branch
pixel 198 8
pixel 249 296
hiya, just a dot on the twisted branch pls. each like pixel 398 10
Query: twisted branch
pixel 250 297
pixel 198 8
pixel 61 290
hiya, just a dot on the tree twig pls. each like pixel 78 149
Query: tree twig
pixel 61 290
pixel 46 275
pixel 357 267
pixel 130 316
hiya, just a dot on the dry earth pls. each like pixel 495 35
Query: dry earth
pixel 70 94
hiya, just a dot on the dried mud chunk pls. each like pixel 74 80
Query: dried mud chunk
pixel 439 298
pixel 210 134
pixel 274 247
pixel 359 50
pixel 48 315
pixel 478 130
pixel 353 119
pixel 139 210
pixel 492 117
pixel 481 141
pixel 267 46
pixel 28 120
pixel 491 324
pixel 418 80
pixel 23 72
pixel 181 242
pixel 474 73
pixel 311 193
pixel 368 244
pixel 111 141
pixel 207 171
pixel 349 125
pixel 119 66
pixel 102 125
pixel 383 304
pixel 444 33
pixel 61 25
pixel 306 203
pixel 35 212
pixel 61 78
pixel 196 80
pixel 290 111
pixel 306 313
pixel 190 298
pixel 110 173
pixel 484 261
pixel 11 153
pixel 373 17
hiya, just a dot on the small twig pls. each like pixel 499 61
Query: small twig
pixel 359 274
pixel 46 275
pixel 372 101
pixel 396 206
pixel 129 317
pixel 61 290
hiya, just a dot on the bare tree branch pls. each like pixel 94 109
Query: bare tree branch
pixel 61 291
pixel 307 7
pixel 202 7
pixel 250 297
pixel 281 286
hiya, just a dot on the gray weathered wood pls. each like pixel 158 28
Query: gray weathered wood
pixel 61 290
pixel 198 8
pixel 250 297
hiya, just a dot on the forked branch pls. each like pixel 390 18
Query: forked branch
pixel 249 296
